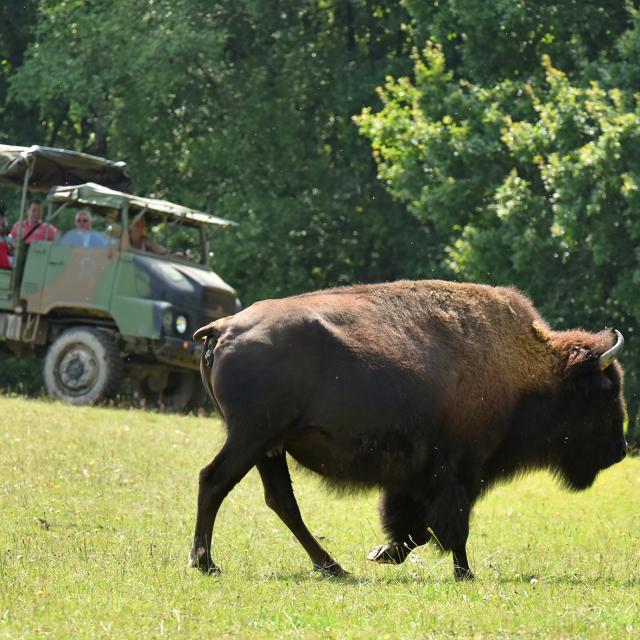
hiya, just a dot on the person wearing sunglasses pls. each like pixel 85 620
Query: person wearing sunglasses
pixel 83 235
pixel 83 220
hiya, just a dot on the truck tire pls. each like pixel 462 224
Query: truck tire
pixel 82 366
pixel 199 400
pixel 184 392
pixel 180 387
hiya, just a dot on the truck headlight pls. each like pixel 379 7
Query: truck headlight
pixel 181 324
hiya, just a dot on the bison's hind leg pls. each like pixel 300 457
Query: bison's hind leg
pixel 403 519
pixel 279 496
pixel 216 480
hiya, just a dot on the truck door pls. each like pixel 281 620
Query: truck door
pixel 33 275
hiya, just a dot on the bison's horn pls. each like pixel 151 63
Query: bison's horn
pixel 609 356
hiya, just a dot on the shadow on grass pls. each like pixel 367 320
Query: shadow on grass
pixel 352 579
pixel 569 580
pixel 404 579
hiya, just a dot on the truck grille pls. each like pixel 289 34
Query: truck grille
pixel 218 304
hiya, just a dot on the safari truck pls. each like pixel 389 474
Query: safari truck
pixel 98 309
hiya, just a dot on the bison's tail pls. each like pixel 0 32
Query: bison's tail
pixel 211 329
pixel 210 334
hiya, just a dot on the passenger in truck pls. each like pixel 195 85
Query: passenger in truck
pixel 6 243
pixel 82 235
pixel 33 228
pixel 138 238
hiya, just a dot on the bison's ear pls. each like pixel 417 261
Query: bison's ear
pixel 580 361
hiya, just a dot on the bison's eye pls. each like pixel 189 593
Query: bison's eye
pixel 606 383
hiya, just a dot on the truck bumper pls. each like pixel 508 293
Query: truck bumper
pixel 180 353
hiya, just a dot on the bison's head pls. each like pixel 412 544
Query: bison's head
pixel 593 409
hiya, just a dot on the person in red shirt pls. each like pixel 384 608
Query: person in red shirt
pixel 33 228
pixel 6 243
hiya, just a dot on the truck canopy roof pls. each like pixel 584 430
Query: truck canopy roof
pixel 99 196
pixel 51 167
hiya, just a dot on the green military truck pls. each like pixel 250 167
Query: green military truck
pixel 98 309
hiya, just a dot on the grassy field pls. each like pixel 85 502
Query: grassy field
pixel 97 510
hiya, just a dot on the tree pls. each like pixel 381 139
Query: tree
pixel 17 24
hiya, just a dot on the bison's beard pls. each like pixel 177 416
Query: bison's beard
pixel 577 483
pixel 575 475
pixel 578 466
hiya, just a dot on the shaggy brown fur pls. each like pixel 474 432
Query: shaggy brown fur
pixel 431 390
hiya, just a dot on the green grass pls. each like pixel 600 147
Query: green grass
pixel 97 509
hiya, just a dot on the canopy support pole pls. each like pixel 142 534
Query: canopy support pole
pixel 19 246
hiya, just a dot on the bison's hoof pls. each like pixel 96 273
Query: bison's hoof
pixel 331 569
pixel 462 575
pixel 391 553
pixel 200 559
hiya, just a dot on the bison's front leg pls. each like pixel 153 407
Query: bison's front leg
pixel 389 553
pixel 403 518
pixel 448 520
pixel 441 514
pixel 461 569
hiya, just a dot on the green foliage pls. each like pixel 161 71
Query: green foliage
pixel 438 149
pixel 490 42
pixel 17 24
pixel 21 375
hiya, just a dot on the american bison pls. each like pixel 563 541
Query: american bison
pixel 431 390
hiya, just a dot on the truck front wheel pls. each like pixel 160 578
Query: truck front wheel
pixel 82 366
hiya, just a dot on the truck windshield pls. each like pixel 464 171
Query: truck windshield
pixel 179 239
